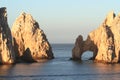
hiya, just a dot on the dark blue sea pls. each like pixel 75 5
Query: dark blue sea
pixel 61 68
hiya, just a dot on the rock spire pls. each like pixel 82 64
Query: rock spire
pixel 7 55
pixel 30 41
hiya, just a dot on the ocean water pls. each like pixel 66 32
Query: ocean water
pixel 61 68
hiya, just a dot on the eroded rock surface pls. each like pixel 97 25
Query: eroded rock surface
pixel 6 48
pixel 104 41
pixel 30 41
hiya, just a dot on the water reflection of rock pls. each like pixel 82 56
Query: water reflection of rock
pixel 6 70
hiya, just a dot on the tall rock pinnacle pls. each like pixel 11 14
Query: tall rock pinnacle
pixel 30 41
pixel 6 49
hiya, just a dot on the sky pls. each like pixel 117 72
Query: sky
pixel 63 20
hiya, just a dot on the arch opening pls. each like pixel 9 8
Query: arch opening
pixel 87 55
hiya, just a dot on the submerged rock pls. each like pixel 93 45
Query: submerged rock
pixel 6 48
pixel 30 42
pixel 104 41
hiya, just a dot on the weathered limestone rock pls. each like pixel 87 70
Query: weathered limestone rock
pixel 78 48
pixel 104 41
pixel 30 41
pixel 6 48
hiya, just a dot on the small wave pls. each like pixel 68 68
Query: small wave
pixel 60 75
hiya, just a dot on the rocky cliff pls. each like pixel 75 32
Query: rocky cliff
pixel 7 55
pixel 30 42
pixel 104 42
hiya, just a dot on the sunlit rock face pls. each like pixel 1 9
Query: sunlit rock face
pixel 30 42
pixel 6 48
pixel 104 41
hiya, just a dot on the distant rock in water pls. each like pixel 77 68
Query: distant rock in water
pixel 30 42
pixel 6 48
pixel 104 41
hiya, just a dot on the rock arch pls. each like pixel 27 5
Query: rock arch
pixel 104 41
pixel 82 46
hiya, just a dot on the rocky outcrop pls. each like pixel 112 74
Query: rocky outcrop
pixel 6 48
pixel 104 41
pixel 78 48
pixel 30 42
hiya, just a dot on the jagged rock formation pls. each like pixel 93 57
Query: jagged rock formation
pixel 104 41
pixel 6 48
pixel 30 41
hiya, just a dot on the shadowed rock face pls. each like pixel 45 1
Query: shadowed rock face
pixel 104 41
pixel 29 40
pixel 6 48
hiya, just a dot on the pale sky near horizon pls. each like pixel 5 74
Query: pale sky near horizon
pixel 63 20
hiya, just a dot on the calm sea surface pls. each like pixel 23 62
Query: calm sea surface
pixel 61 68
